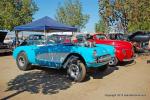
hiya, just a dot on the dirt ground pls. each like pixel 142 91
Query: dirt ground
pixel 123 82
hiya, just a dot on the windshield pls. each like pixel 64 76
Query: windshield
pixel 59 39
pixel 34 40
pixel 53 39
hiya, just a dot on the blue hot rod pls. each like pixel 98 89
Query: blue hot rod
pixel 59 52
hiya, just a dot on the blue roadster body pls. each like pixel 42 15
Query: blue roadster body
pixel 58 55
pixel 54 55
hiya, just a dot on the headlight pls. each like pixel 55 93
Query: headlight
pixel 94 53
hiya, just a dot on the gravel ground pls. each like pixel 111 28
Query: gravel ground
pixel 123 82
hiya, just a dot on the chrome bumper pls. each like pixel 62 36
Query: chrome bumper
pixel 135 56
pixel 101 61
pixel 5 50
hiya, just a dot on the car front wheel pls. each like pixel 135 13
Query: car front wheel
pixel 76 70
pixel 113 61
pixel 22 62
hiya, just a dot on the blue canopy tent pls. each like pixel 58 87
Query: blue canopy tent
pixel 45 24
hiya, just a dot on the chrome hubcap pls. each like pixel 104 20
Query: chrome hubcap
pixel 73 71
pixel 112 61
pixel 21 61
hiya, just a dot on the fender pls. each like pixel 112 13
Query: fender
pixel 70 59
pixel 30 53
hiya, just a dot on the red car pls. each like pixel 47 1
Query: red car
pixel 124 50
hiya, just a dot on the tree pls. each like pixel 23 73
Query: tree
pixel 70 13
pixel 100 26
pixel 120 14
pixel 139 15
pixel 16 12
pixel 105 12
pixel 130 15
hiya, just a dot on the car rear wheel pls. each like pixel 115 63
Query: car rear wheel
pixel 113 61
pixel 76 70
pixel 22 62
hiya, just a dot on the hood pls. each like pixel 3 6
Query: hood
pixel 119 43
pixel 2 36
pixel 115 43
pixel 109 48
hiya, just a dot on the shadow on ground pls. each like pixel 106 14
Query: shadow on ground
pixel 126 64
pixel 46 82
pixel 99 74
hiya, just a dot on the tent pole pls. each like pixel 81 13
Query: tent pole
pixel 45 36
pixel 22 35
pixel 17 41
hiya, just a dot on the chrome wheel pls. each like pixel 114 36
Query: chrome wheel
pixel 74 71
pixel 113 61
pixel 21 61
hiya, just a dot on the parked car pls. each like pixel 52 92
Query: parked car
pixel 33 39
pixel 8 40
pixel 140 41
pixel 3 46
pixel 123 50
pixel 74 57
pixel 118 36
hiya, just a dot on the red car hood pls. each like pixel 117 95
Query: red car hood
pixel 116 43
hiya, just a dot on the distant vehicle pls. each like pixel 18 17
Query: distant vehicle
pixel 140 41
pixel 59 53
pixel 139 37
pixel 3 46
pixel 124 50
pixel 8 40
pixel 117 36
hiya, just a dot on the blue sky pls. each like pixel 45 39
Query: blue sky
pixel 48 8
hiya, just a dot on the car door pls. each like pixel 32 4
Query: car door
pixel 42 55
pixel 52 55
pixel 45 56
pixel 59 53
